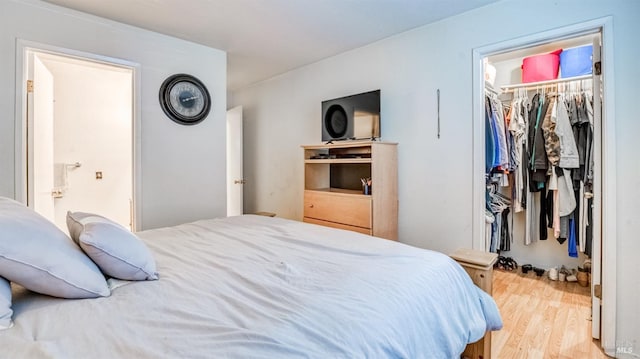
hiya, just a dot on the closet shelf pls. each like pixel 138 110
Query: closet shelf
pixel 544 83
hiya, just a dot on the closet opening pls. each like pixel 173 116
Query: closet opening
pixel 543 169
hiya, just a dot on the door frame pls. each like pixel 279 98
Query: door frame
pixel 20 163
pixel 608 166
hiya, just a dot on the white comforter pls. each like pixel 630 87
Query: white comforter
pixel 259 287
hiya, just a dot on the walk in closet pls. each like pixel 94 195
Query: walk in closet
pixel 540 158
pixel 543 164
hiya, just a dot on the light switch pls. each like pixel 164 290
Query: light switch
pixel 98 174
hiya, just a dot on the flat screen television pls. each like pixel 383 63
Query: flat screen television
pixel 352 117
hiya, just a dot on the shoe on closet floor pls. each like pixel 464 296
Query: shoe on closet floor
pixel 562 276
pixel 553 273
pixel 571 275
pixel 563 273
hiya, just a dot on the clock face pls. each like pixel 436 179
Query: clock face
pixel 184 99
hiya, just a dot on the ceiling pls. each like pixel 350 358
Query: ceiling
pixel 264 38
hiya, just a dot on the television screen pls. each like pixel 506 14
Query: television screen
pixel 352 117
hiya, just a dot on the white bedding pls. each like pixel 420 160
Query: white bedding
pixel 260 287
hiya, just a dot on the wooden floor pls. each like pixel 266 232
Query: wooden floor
pixel 542 318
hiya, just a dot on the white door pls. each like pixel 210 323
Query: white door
pixel 596 250
pixel 40 138
pixel 235 182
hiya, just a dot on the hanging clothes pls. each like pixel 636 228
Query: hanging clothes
pixel 551 139
pixel 580 111
pixel 568 150
pixel 562 168
pixel 490 140
pixel 544 144
pixel 518 125
pixel 505 235
pixel 579 120
pixel 497 204
pixel 489 219
pixel 498 137
pixel 589 234
pixel 572 247
pixel 500 158
pixel 538 156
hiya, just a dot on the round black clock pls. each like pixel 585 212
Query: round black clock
pixel 185 99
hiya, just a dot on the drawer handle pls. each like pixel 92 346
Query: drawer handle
pixel 311 205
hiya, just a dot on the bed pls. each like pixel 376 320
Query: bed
pixel 260 287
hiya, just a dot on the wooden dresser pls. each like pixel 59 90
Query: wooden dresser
pixel 333 191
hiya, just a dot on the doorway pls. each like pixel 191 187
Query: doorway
pixel 603 255
pixel 235 180
pixel 79 152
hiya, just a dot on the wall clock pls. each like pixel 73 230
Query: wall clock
pixel 185 99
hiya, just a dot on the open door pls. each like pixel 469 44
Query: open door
pixel 79 154
pixel 235 182
pixel 596 250
pixel 40 137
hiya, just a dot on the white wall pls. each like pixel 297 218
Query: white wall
pixel 182 168
pixel 435 175
pixel 93 126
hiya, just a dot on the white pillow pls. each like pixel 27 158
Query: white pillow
pixel 118 252
pixel 77 220
pixel 37 255
pixel 5 304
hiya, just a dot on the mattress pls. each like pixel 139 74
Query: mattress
pixel 260 287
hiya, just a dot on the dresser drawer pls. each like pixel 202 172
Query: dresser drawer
pixel 368 231
pixel 352 210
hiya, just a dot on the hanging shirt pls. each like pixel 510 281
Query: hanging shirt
pixel 500 134
pixel 568 149
pixel 551 140
pixel 518 130
pixel 538 162
pixel 489 140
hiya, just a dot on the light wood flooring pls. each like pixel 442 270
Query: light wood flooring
pixel 542 318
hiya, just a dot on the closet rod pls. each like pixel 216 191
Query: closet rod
pixel 534 85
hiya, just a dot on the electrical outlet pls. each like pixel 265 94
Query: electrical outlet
pixel 98 174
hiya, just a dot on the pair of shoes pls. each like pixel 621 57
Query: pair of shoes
pixel 539 271
pixel 569 275
pixel 501 263
pixel 506 263
pixel 526 268
pixel 553 273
